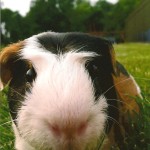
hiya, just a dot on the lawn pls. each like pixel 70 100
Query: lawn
pixel 136 58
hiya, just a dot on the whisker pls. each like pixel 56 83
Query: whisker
pixel 14 112
pixel 113 106
pixel 116 84
pixel 14 100
pixel 80 48
pixel 124 81
pixel 115 121
pixel 17 92
pixel 121 102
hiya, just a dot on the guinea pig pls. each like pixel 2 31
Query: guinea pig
pixel 66 92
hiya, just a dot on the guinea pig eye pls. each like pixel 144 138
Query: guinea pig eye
pixel 92 67
pixel 30 75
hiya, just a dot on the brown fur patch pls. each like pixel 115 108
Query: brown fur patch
pixel 127 92
pixel 7 57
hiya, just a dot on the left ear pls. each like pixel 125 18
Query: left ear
pixel 112 58
pixel 109 59
pixel 8 57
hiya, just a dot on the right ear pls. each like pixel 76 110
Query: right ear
pixel 8 56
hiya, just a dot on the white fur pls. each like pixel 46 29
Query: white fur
pixel 62 94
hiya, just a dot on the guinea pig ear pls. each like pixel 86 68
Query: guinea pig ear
pixel 127 89
pixel 109 60
pixel 113 59
pixel 8 56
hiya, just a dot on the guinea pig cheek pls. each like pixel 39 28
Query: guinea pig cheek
pixel 33 129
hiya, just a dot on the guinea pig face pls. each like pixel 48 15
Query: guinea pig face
pixel 57 96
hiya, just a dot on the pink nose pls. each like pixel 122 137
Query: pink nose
pixel 69 130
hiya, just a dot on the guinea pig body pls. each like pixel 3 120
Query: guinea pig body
pixel 60 86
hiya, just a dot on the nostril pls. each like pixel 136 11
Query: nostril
pixel 82 127
pixel 55 130
pixel 69 130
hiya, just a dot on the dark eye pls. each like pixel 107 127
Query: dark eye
pixel 92 67
pixel 94 70
pixel 30 75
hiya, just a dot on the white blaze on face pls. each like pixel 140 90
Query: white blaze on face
pixel 60 111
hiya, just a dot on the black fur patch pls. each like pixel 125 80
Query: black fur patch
pixel 17 86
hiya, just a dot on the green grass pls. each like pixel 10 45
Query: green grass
pixel 136 58
pixel 6 133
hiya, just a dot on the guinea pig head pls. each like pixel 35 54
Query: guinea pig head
pixel 60 84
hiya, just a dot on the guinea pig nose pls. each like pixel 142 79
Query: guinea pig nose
pixel 55 130
pixel 68 130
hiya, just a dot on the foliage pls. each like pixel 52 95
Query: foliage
pixel 115 20
pixel 13 22
pixel 136 58
pixel 6 133
pixel 65 15
pixel 139 136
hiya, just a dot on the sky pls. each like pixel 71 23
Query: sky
pixel 23 5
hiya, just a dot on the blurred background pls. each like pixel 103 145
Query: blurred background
pixel 118 20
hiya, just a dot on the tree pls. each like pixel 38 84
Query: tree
pixel 120 12
pixel 47 15
pixel 12 26
pixel 59 15
pixel 65 15
pixel 103 11
pixel 80 16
